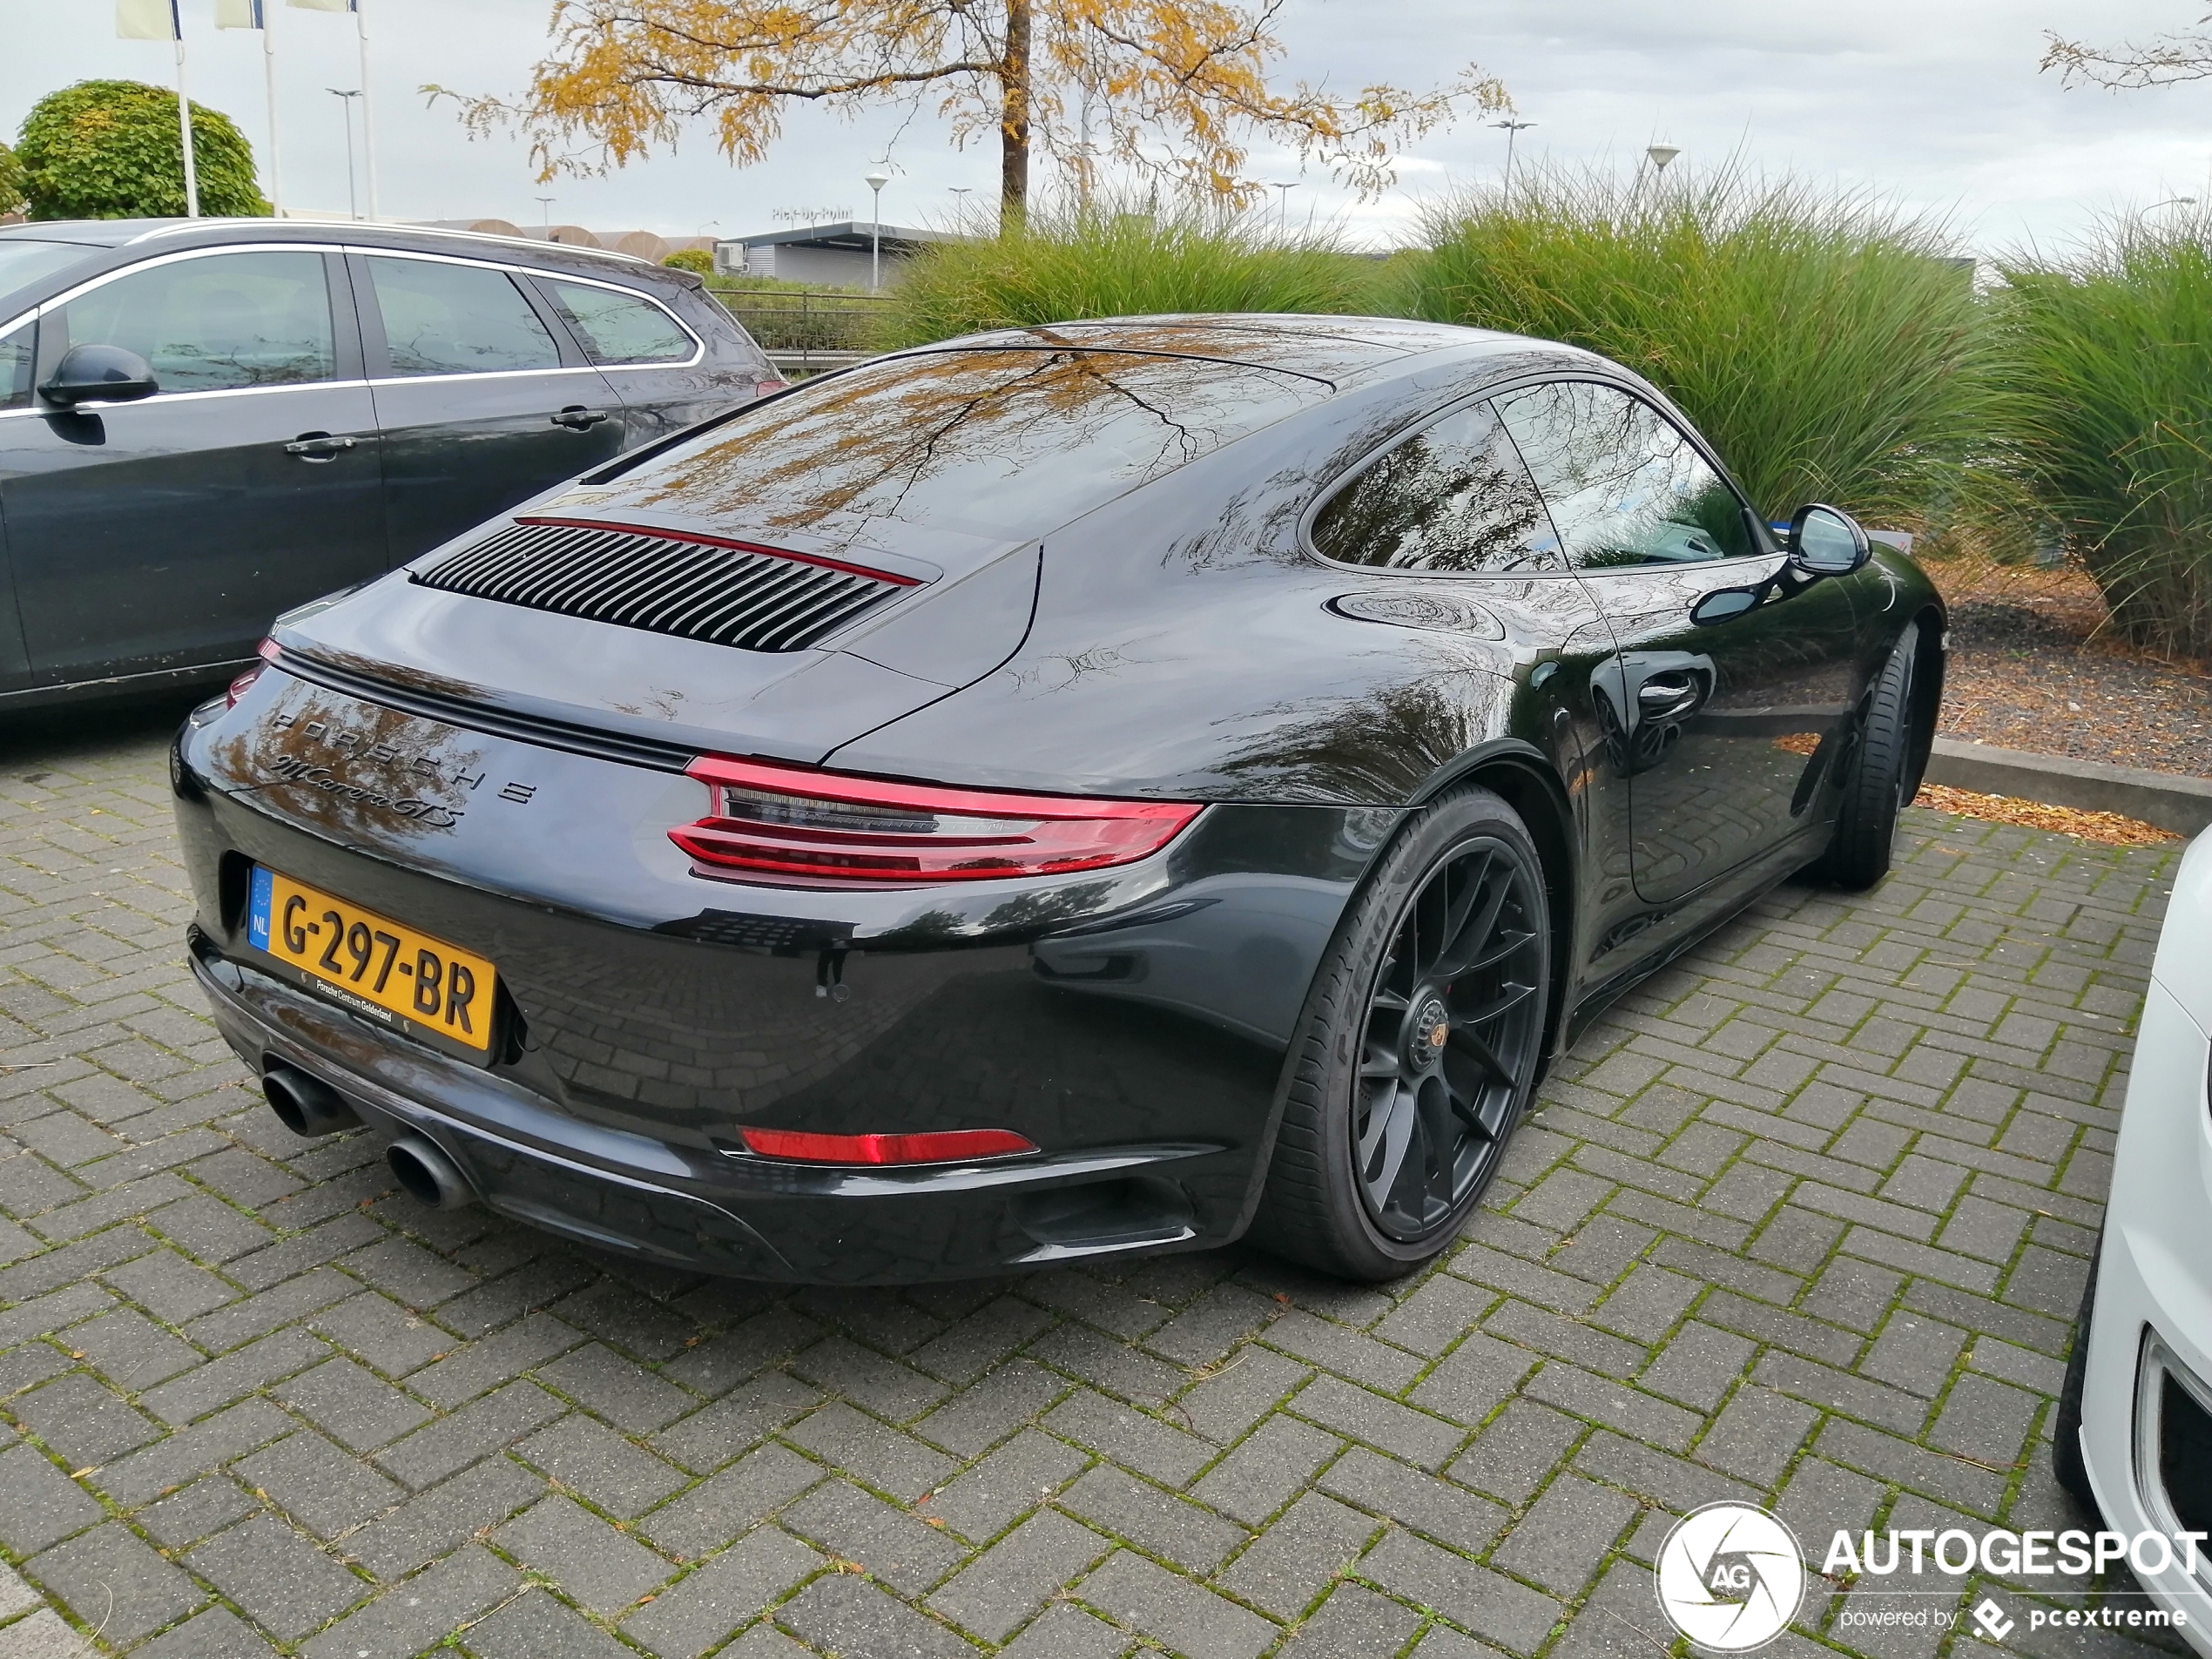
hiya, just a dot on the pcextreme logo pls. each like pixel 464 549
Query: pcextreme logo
pixel 1730 1577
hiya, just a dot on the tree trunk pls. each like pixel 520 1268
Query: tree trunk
pixel 1014 118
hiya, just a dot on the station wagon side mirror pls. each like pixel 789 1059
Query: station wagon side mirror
pixel 1826 541
pixel 92 374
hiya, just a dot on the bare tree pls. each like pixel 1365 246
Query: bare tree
pixel 2162 61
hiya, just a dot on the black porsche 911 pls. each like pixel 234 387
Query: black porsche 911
pixel 1068 790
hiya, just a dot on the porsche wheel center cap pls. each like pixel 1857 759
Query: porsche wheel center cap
pixel 1432 1030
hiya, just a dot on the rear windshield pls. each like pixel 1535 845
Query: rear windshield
pixel 1002 443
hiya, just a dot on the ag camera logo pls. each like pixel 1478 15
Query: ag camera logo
pixel 1730 1577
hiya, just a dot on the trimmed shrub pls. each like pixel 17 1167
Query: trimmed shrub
pixel 1831 347
pixel 2111 391
pixel 697 260
pixel 1120 265
pixel 111 149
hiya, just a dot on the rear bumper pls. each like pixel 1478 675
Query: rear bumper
pixel 731 1214
pixel 1131 1023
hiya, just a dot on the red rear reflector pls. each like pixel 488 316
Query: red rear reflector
pixel 238 687
pixel 943 1146
pixel 790 822
pixel 769 389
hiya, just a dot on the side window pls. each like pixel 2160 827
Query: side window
pixel 620 328
pixel 19 354
pixel 213 324
pixel 442 319
pixel 1625 487
pixel 1454 496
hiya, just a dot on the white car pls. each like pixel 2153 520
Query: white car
pixel 2133 1434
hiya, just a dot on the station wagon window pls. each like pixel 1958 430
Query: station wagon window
pixel 1625 485
pixel 442 319
pixel 212 324
pixel 620 328
pixel 17 352
pixel 1452 498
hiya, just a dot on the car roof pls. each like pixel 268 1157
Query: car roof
pixel 165 232
pixel 1337 348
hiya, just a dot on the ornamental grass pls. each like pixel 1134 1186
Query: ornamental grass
pixel 2110 406
pixel 1830 345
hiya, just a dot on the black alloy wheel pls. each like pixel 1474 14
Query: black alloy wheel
pixel 1454 1022
pixel 1420 1046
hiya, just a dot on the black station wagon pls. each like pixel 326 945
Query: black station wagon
pixel 204 422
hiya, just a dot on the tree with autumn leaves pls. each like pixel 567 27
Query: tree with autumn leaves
pixel 1175 88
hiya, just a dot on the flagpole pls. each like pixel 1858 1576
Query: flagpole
pixel 268 70
pixel 184 115
pixel 368 131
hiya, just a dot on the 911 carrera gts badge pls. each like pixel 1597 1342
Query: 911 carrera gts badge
pixel 292 770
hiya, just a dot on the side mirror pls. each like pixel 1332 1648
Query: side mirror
pixel 99 375
pixel 1825 540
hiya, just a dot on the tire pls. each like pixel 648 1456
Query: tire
pixel 2066 1428
pixel 1418 1048
pixel 1876 775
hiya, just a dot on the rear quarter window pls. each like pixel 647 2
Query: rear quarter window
pixel 616 327
pixel 993 442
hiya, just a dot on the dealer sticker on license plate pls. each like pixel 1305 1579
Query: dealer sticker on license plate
pixel 372 962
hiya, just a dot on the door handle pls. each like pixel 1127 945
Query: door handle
pixel 317 446
pixel 576 418
pixel 1665 695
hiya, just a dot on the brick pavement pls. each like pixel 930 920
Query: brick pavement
pixel 1804 1221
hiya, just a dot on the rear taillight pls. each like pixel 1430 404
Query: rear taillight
pixel 267 650
pixel 789 821
pixel 942 1146
pixel 769 389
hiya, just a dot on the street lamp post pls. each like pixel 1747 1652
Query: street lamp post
pixel 961 194
pixel 876 179
pixel 1282 205
pixel 545 215
pixel 1661 154
pixel 2172 201
pixel 352 209
pixel 1513 131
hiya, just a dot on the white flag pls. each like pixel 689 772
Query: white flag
pixel 147 20
pixel 325 5
pixel 238 14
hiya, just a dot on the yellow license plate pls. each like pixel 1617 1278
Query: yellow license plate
pixel 372 962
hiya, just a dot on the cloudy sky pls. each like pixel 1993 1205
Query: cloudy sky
pixel 1934 103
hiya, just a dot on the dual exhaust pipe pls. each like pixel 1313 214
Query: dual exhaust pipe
pixel 311 1108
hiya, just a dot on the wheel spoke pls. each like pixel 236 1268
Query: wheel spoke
pixel 1513 945
pixel 1379 1061
pixel 1382 1153
pixel 1510 997
pixel 1481 1053
pixel 1480 930
pixel 1470 891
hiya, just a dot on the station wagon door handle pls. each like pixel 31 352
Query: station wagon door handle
pixel 1665 695
pixel 576 418
pixel 317 446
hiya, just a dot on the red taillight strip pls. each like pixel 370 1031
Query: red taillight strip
pixel 878 792
pixel 654 531
pixel 1018 835
pixel 939 1146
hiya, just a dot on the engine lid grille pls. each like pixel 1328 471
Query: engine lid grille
pixel 665 582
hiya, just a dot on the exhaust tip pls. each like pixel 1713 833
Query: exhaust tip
pixel 306 1106
pixel 429 1177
